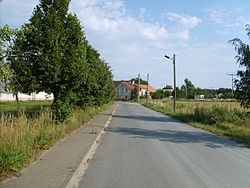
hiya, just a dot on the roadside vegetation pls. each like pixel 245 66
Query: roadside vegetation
pixel 50 53
pixel 24 136
pixel 221 117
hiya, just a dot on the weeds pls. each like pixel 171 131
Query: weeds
pixel 22 136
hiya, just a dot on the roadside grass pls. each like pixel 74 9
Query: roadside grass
pixel 23 137
pixel 220 117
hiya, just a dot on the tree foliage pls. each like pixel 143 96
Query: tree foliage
pixel 62 62
pixel 134 93
pixel 6 34
pixel 7 38
pixel 98 88
pixel 161 93
pixel 135 80
pixel 243 58
pixel 190 89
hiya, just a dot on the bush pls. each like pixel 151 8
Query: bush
pixel 219 114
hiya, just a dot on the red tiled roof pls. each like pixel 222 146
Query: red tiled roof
pixel 117 83
pixel 129 85
pixel 150 88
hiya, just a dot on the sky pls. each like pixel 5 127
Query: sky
pixel 134 35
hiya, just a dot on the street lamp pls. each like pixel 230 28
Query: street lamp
pixel 173 58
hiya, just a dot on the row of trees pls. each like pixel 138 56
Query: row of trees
pixel 52 54
pixel 188 91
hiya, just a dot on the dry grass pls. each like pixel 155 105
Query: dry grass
pixel 22 136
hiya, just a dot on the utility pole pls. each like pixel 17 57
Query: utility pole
pixel 232 75
pixel 186 90
pixel 138 97
pixel 174 79
pixel 147 87
pixel 174 82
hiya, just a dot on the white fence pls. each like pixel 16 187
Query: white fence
pixel 5 96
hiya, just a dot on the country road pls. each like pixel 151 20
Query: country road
pixel 145 149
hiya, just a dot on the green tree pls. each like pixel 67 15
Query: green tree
pixel 134 93
pixel 168 87
pixel 135 80
pixel 98 87
pixel 243 58
pixel 60 65
pixel 190 89
pixel 7 78
pixel 6 41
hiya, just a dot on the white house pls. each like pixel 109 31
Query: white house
pixel 199 97
pixel 124 90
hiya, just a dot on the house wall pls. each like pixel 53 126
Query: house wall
pixel 7 97
pixel 122 92
pixel 143 92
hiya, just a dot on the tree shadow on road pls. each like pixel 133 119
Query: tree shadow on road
pixel 147 118
pixel 178 137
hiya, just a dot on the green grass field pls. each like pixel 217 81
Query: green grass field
pixel 220 117
pixel 23 105
pixel 23 135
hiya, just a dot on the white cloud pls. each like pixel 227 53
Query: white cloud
pixel 184 24
pixel 132 44
pixel 216 16
pixel 111 16
pixel 185 21
pixel 227 21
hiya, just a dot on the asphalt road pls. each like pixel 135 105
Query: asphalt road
pixel 143 148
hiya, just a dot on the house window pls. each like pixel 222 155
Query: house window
pixel 126 90
pixel 122 91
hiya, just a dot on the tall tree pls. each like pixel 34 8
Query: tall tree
pixel 59 66
pixel 243 58
pixel 190 89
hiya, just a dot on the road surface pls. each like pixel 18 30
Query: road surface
pixel 145 149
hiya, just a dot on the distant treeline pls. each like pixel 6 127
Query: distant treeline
pixel 188 91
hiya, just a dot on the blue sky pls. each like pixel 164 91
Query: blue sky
pixel 134 35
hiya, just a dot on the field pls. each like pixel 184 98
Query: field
pixel 28 128
pixel 220 117
pixel 31 106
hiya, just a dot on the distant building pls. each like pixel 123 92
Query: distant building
pixel 8 96
pixel 124 89
pixel 199 97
